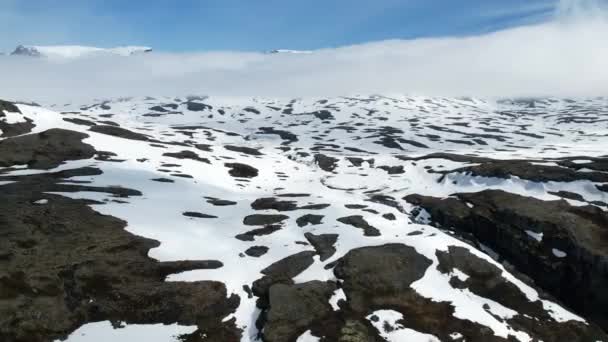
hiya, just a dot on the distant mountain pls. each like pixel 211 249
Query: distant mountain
pixel 289 51
pixel 74 51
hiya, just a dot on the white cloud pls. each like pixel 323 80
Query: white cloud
pixel 561 58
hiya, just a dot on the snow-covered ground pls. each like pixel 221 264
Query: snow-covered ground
pixel 375 127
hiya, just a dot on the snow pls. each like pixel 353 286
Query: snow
pixel 559 253
pixel 103 331
pixel 12 118
pixel 308 337
pixel 536 236
pixel 336 297
pixel 456 336
pixel 460 275
pixel 400 333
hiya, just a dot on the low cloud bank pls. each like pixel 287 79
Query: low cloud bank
pixel 565 57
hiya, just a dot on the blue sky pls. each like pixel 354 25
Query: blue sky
pixel 253 25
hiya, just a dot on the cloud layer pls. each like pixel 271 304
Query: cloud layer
pixel 564 57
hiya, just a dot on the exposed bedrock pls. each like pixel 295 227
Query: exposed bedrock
pixel 564 248
pixel 566 169
pixel 45 150
pixel 380 278
pixel 532 172
pixel 13 128
pixel 62 264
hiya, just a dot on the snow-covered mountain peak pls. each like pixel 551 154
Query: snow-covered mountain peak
pixel 286 51
pixel 75 51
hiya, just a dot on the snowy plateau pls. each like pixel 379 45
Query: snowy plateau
pixel 365 218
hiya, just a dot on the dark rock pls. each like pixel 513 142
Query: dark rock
pixel 172 267
pixel 325 163
pixel 79 266
pixel 323 244
pixel 380 277
pixel 204 147
pixel 13 129
pixel 323 115
pixel 389 216
pixel 45 150
pixel 529 171
pixel 220 202
pixel 372 274
pixel 266 230
pixel 282 271
pixel 290 266
pixel 263 219
pixel 285 135
pixel 386 200
pixel 315 206
pixel 107 156
pixel 597 164
pixel 239 170
pixel 187 155
pixel 568 195
pixel 158 109
pixel 272 203
pixel 356 161
pixel 256 251
pixel 10 107
pixel 460 158
pixel 309 219
pixel 245 150
pixel 500 220
pixel 486 280
pixel 118 132
pixel 197 215
pixel 393 170
pixel 163 180
pixel 181 175
pixel 197 107
pixel 294 308
pixel 251 110
pixel 358 221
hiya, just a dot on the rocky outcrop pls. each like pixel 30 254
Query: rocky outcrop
pixel 118 132
pixel 30 51
pixel 15 128
pixel 566 169
pixel 294 308
pixel 240 170
pixel 380 277
pixel 45 150
pixel 64 265
pixel 530 171
pixel 326 163
pixel 562 247
pixel 323 244
pixel 280 272
pixel 358 221
pixel 187 155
